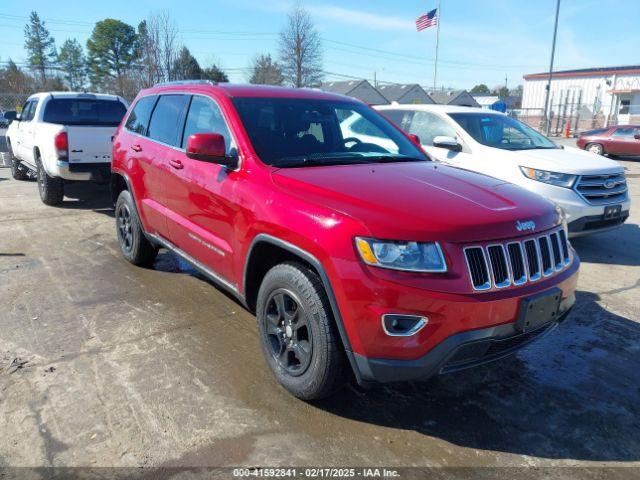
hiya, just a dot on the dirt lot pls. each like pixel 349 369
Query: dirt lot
pixel 155 367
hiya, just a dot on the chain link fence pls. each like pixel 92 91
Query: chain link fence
pixel 12 101
pixel 575 117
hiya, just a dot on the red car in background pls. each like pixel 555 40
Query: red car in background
pixel 614 140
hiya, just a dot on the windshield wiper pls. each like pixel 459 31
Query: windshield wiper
pixel 316 161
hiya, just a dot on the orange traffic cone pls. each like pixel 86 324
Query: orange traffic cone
pixel 567 129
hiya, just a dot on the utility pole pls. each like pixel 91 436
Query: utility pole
pixel 547 123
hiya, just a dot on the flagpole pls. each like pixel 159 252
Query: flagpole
pixel 435 66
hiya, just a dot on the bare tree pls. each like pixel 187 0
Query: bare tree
pixel 301 50
pixel 158 48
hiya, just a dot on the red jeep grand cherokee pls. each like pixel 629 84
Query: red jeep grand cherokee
pixel 356 254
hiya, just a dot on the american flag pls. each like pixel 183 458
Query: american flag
pixel 428 20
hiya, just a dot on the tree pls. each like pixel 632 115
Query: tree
pixel 215 74
pixel 111 50
pixel 481 88
pixel 266 72
pixel 40 46
pixel 502 92
pixel 14 80
pixel 71 59
pixel 186 67
pixel 301 50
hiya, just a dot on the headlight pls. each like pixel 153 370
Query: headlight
pixel 408 256
pixel 553 178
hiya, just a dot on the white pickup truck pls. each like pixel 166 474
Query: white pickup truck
pixel 63 136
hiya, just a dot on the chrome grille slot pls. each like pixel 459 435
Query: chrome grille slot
pixel 499 267
pixel 545 255
pixel 477 264
pixel 533 261
pixel 565 246
pixel 516 261
pixel 602 189
pixel 555 248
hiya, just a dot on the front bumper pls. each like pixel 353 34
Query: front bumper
pixel 83 171
pixel 596 224
pixel 458 352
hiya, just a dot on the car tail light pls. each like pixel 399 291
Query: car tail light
pixel 61 142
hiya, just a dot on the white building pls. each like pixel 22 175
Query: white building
pixel 607 95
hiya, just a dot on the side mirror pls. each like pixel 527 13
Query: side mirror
pixel 448 143
pixel 210 147
pixel 11 115
pixel 637 136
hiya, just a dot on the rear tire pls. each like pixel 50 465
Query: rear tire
pixel 596 148
pixel 18 171
pixel 134 245
pixel 298 335
pixel 51 189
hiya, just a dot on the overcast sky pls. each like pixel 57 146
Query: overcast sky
pixel 480 41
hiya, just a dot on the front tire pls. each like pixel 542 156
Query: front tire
pixel 298 335
pixel 134 245
pixel 596 148
pixel 51 189
pixel 18 171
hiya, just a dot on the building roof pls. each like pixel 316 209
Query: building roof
pixel 588 72
pixel 341 87
pixel 486 100
pixel 445 97
pixel 394 92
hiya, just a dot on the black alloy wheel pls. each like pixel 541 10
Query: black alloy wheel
pixel 125 230
pixel 289 332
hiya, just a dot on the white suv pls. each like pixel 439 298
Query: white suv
pixel 591 189
pixel 63 136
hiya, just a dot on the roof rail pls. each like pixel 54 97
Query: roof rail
pixel 185 82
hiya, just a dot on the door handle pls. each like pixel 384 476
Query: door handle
pixel 177 164
pixel 136 148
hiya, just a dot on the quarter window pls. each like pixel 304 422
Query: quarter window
pixel 167 119
pixel 205 117
pixel 139 117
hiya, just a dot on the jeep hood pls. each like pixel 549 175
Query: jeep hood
pixel 420 200
pixel 565 160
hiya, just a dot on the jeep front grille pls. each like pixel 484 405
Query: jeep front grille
pixel 602 189
pixel 503 265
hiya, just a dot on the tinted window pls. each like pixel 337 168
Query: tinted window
pixel 623 132
pixel 500 131
pixel 139 117
pixel 167 119
pixel 205 117
pixel 84 111
pixel 28 111
pixel 298 132
pixel 598 131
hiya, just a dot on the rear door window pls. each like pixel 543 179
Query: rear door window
pixel 167 119
pixel 428 126
pixel 623 132
pixel 28 111
pixel 138 120
pixel 84 111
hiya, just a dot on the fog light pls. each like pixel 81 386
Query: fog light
pixel 399 325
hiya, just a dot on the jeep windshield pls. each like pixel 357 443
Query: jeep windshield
pixel 500 131
pixel 300 132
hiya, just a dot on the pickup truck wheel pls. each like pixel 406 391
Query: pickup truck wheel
pixel 595 148
pixel 18 171
pixel 135 247
pixel 297 332
pixel 51 189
